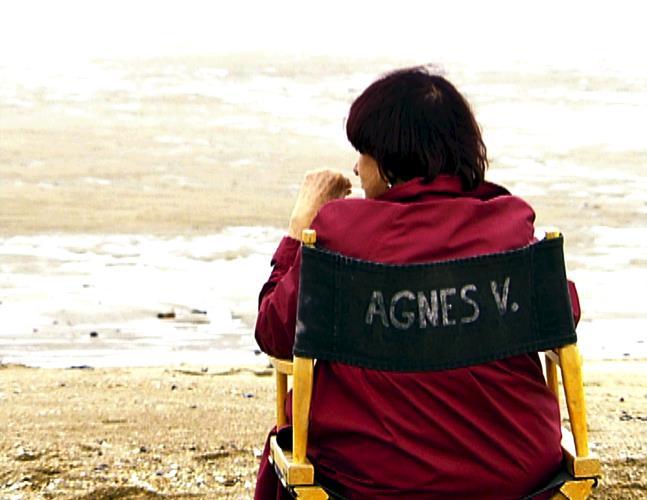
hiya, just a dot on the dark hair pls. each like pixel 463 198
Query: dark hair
pixel 416 124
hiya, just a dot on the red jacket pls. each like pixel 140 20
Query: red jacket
pixel 487 431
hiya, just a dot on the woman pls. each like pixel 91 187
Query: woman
pixel 487 431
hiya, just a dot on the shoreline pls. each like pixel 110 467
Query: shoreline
pixel 194 299
pixel 198 431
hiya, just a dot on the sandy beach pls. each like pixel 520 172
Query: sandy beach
pixel 132 433
pixel 197 432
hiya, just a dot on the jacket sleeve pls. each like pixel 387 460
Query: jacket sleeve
pixel 277 301
pixel 575 302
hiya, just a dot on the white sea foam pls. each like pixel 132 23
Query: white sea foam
pixel 170 139
pixel 242 162
pixel 610 279
pixel 97 181
pixel 57 289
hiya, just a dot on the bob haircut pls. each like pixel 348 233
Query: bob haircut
pixel 416 124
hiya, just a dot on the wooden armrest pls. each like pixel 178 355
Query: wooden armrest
pixel 291 474
pixel 282 365
pixel 579 467
pixel 283 368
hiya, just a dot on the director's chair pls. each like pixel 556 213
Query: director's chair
pixel 332 298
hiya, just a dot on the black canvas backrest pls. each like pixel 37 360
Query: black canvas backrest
pixel 433 316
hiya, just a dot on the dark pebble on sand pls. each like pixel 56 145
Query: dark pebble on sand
pixel 213 455
pixel 166 315
pixel 248 395
pixel 173 387
pixel 143 449
pixel 26 456
pixel 622 400
pixel 94 335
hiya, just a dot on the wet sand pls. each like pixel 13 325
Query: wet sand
pixel 168 146
pixel 191 432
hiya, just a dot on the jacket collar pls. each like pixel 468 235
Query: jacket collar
pixel 446 186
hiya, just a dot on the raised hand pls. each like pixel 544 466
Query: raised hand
pixel 318 188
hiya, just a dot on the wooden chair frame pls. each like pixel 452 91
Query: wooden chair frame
pixel 297 473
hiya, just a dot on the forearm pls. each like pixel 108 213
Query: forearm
pixel 278 298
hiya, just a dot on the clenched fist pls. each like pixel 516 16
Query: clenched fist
pixel 318 188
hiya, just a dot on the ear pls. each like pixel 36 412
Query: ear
pixel 385 175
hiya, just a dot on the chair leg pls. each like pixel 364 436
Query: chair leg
pixel 301 396
pixel 281 394
pixel 571 364
pixel 551 377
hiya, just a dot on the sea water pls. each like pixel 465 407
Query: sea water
pixel 76 300
pixel 132 300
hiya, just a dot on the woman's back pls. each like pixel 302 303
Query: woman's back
pixel 486 431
